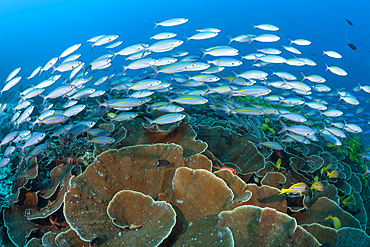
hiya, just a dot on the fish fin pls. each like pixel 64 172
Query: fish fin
pixel 114 53
pixel 156 71
pixel 92 46
pixel 327 67
pixel 282 191
pixel 284 127
pixel 231 39
pixel 203 51
pixel 156 23
pixel 169 99
pixel 323 52
pixel 231 93
pixel 236 75
pixel 208 90
pixel 304 77
pixel 254 26
pixel 124 68
pixel 250 38
pixel 149 120
pixel 187 77
pixel 291 41
pixel 187 39
pixel 54 69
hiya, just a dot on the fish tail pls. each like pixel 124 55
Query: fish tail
pixel 187 77
pixel 251 39
pixel 44 99
pixel 124 68
pixel 291 41
pixel 92 46
pixel 232 91
pixel 203 51
pixel 100 104
pixel 254 26
pixel 284 127
pixel 236 75
pixel 328 218
pixel 149 120
pixel 323 52
pixel 231 39
pixel 282 191
pixel 208 89
pixel 156 23
pixel 327 67
pixel 169 99
pixel 155 70
pixel 114 53
pixel 304 77
pixel 187 39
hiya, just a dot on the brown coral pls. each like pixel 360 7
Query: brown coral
pixel 255 226
pixel 141 220
pixel 133 168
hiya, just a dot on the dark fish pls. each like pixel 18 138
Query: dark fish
pixel 349 22
pixel 163 163
pixel 352 46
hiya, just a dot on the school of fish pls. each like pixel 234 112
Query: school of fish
pixel 162 76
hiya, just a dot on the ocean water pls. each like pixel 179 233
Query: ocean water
pixel 33 32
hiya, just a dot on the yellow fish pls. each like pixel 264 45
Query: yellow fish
pixel 332 174
pixel 347 201
pixel 317 186
pixel 278 164
pixel 297 188
pixel 325 168
pixel 336 221
pixel 111 114
pixel 329 145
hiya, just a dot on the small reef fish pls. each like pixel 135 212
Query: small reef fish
pixel 332 174
pixel 162 162
pixel 317 185
pixel 297 188
pixel 348 201
pixel 325 168
pixel 336 221
pixel 278 164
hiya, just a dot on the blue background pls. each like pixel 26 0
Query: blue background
pixel 32 32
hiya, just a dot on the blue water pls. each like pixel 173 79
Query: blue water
pixel 32 32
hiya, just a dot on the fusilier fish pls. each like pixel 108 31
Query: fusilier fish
pixel 34 139
pixel 102 140
pixel 70 50
pixel 266 27
pixel 336 70
pixel 12 74
pixel 164 35
pixel 166 119
pixel 170 22
pixel 332 54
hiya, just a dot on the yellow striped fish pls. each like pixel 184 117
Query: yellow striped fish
pixel 336 221
pixel 297 188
